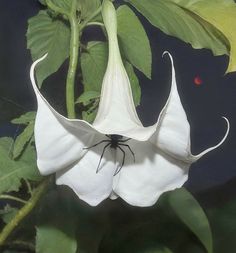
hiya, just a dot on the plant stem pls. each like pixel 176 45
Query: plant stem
pixel 5 196
pixel 24 211
pixel 74 53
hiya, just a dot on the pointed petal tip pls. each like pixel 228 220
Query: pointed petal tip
pixel 196 157
pixel 170 56
pixel 165 52
pixel 34 64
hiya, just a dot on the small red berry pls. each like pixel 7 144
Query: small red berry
pixel 197 80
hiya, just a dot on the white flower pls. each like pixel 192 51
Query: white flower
pixel 162 151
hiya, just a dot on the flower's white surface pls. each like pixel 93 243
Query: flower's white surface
pixel 162 151
pixel 116 113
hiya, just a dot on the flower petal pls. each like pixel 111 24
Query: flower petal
pixel 59 141
pixel 82 178
pixel 173 130
pixel 141 183
pixel 116 112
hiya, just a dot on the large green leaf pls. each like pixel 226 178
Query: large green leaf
pixel 11 172
pixel 93 64
pixel 48 35
pixel 219 13
pixel 192 215
pixel 223 221
pixel 133 40
pixel 51 239
pixel 197 22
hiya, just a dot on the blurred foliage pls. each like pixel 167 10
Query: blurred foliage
pixel 63 221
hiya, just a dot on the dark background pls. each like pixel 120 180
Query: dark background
pixel 213 178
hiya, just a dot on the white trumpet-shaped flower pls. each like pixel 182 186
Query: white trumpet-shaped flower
pixel 68 147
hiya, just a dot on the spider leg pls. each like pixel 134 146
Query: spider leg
pixel 123 161
pixel 97 144
pixel 126 145
pixel 108 136
pixel 103 151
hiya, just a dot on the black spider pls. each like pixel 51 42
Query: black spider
pixel 116 141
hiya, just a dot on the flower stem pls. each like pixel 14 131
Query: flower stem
pixel 24 211
pixel 74 53
pixel 5 196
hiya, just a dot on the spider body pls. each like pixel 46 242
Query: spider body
pixel 114 142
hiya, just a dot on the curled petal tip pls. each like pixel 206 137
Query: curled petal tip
pixel 164 53
pixel 196 157
pixel 227 131
pixel 170 56
pixel 33 68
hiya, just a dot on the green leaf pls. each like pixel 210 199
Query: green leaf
pixel 64 5
pixel 222 218
pixel 48 35
pixel 183 23
pixel 87 8
pixel 51 239
pixel 11 251
pixel 87 96
pixel 42 2
pixel 8 213
pixel 11 172
pixel 57 224
pixel 192 215
pixel 133 40
pixel 22 140
pixel 160 249
pixel 25 118
pixel 136 90
pixel 93 64
pixel 89 116
pixel 222 15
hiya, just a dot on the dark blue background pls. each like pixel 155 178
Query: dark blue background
pixel 204 104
